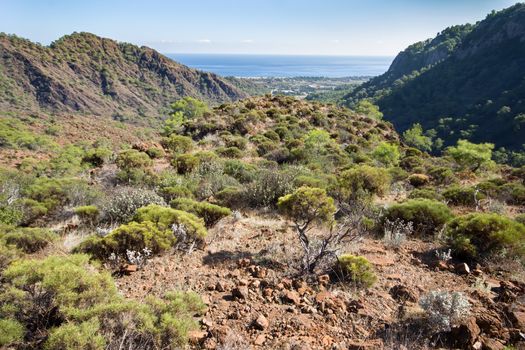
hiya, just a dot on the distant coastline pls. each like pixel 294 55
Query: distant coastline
pixel 285 66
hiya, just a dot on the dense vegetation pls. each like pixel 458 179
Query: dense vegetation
pixel 466 83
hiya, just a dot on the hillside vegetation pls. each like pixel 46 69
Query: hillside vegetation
pixel 466 83
pixel 85 73
pixel 267 223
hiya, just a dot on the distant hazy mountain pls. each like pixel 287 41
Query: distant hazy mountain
pixel 86 73
pixel 467 82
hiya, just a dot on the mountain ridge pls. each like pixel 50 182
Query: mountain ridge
pixel 86 73
pixel 473 90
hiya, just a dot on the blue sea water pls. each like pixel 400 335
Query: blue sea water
pixel 285 66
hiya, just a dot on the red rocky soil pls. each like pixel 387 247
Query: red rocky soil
pixel 246 277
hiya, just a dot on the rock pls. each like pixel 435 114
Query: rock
pixel 322 296
pixel 491 324
pixel 291 297
pixel 196 337
pixel 402 293
pixel 323 279
pixel 240 292
pixel 206 322
pixel 261 338
pixel 492 344
pixel 244 262
pixel 220 286
pixel 128 269
pixel 298 284
pixel 287 283
pixel 462 269
pixel 261 323
pixel 517 316
pixel 466 334
pixel 210 344
pixel 267 292
pixel 365 344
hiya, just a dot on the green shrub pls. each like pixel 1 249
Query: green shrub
pixel 411 163
pixel 267 187
pixel 386 154
pixel 357 269
pixel 133 237
pixel 231 197
pixel 426 215
pixel 186 163
pixel 12 332
pixel 211 213
pixel 155 152
pixel 442 175
pixel 88 213
pixel 513 193
pixel 11 214
pixel 66 303
pixel 79 336
pixel 164 218
pixel 241 171
pixel 176 191
pixel 364 180
pixel 229 152
pixel 469 155
pixel 458 195
pixel 178 143
pixel 520 218
pixel 425 193
pixel 97 156
pixel 480 234
pixel 28 240
pixel 418 180
pixel 132 165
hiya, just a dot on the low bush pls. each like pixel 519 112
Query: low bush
pixel 88 213
pixel 177 143
pixel 97 156
pixel 364 180
pixel 357 269
pixel 229 152
pixel 442 175
pixel 66 303
pixel 478 234
pixel 444 309
pixel 267 187
pixel 121 205
pixel 185 163
pixel 418 180
pixel 458 195
pixel 134 237
pixel 425 193
pixel 211 213
pixel 520 218
pixel 427 216
pixel 28 240
pixel 177 191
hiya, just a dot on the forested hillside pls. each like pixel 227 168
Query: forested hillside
pixel 92 75
pixel 466 83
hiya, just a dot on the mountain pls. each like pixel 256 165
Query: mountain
pixel 85 73
pixel 468 82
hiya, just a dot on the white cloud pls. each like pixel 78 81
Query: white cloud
pixel 204 41
pixel 247 41
pixel 335 41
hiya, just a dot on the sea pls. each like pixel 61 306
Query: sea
pixel 247 66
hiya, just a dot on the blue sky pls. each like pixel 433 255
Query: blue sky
pixel 324 27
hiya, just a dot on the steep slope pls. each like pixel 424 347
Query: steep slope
pixel 85 73
pixel 468 82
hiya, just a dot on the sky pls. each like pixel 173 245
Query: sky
pixel 309 27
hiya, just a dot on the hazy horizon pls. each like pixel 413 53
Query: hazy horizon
pixel 285 27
